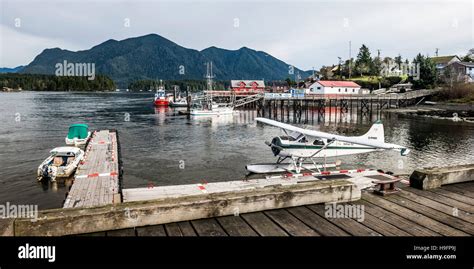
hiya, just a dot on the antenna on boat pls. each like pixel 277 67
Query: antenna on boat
pixel 209 77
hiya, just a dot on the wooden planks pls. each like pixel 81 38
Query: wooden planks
pixel 236 226
pixel 402 223
pixel 403 214
pixel 455 196
pixel 96 181
pixel 122 232
pixel 172 229
pixel 155 230
pixel 457 189
pixel 263 225
pixel 208 227
pixel 290 224
pixel 186 228
pixel 437 206
pixel 462 226
pixel 442 199
pixel 316 222
pixel 349 225
pixel 416 217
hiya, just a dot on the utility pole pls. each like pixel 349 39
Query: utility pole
pixel 378 53
pixel 339 66
pixel 436 52
pixel 350 60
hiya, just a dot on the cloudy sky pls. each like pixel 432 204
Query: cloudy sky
pixel 306 34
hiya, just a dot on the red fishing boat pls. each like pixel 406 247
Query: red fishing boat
pixel 160 97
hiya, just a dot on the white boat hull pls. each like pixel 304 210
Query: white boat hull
pixel 267 168
pixel 213 112
pixel 77 142
pixel 48 170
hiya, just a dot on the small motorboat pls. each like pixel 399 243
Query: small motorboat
pixel 62 162
pixel 78 135
pixel 181 102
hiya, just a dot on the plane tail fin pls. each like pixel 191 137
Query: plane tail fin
pixel 376 132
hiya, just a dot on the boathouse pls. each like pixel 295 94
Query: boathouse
pixel 333 87
pixel 247 86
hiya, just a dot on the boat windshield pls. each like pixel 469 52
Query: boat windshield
pixel 79 131
pixel 160 94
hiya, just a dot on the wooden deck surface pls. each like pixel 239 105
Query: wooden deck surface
pixel 447 211
pixel 96 181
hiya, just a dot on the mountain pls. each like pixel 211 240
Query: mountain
pixel 11 70
pixel 155 57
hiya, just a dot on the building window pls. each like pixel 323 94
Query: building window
pixel 346 89
pixel 319 88
pixel 339 89
pixel 353 90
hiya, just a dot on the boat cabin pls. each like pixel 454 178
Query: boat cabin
pixel 63 156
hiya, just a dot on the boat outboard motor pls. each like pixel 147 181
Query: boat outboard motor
pixel 44 171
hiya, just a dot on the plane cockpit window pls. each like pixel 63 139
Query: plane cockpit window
pixel 318 142
pixel 290 138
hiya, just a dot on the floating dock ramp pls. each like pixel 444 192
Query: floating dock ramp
pixel 97 179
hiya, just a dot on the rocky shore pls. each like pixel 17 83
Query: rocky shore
pixel 456 112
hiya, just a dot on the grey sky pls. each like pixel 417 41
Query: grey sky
pixel 302 33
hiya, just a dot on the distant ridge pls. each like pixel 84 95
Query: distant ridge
pixel 11 70
pixel 155 57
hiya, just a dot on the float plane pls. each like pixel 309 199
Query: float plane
pixel 300 145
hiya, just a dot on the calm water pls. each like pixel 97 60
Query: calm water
pixel 157 143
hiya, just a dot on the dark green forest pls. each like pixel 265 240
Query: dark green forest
pixel 37 82
pixel 194 85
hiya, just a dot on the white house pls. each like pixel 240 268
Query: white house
pixel 333 87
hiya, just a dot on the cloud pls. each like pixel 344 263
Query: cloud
pixel 18 48
pixel 302 33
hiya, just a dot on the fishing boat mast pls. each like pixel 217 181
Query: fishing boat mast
pixel 209 77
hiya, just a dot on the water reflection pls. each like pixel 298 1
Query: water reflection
pixel 156 140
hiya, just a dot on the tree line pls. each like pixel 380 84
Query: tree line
pixel 386 71
pixel 182 85
pixel 39 82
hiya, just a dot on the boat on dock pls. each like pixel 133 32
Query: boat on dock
pixel 78 135
pixel 61 163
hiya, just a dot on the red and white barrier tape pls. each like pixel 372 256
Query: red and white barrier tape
pixel 323 173
pixel 98 175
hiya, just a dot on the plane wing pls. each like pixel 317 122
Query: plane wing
pixel 349 139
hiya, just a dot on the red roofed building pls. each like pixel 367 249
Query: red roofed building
pixel 247 86
pixel 333 87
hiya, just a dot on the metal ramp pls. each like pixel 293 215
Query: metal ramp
pixel 248 99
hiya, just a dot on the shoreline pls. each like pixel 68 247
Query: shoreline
pixel 448 111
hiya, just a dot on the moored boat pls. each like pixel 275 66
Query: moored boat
pixel 214 110
pixel 61 163
pixel 181 102
pixel 78 135
pixel 160 96
pixel 207 107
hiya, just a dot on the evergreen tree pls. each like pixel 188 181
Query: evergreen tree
pixel 363 62
pixel 398 60
pixel 427 77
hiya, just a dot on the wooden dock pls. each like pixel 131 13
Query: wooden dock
pixel 446 211
pixel 321 108
pixel 96 181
